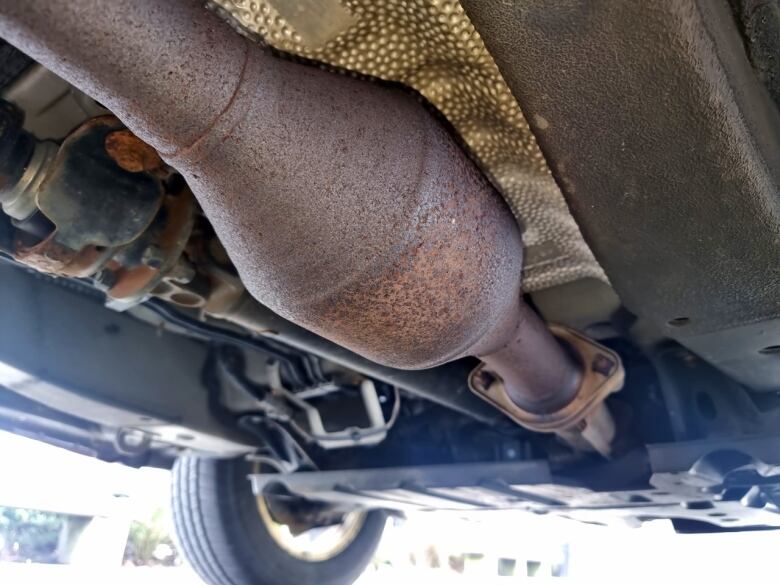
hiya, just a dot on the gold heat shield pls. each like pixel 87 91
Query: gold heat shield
pixel 432 47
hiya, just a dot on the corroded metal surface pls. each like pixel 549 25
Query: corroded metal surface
pixel 89 197
pixel 99 206
pixel 131 153
pixel 410 269
pixel 582 419
pixel 165 240
pixel 539 375
pixel 431 46
pixel 345 207
pixel 144 48
pixel 54 258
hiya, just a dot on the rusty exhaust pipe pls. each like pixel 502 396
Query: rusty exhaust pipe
pixel 345 207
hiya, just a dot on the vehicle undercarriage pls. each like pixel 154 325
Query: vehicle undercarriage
pixel 359 258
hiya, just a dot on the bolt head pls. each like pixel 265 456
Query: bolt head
pixel 153 257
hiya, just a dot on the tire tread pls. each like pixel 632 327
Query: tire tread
pixel 220 532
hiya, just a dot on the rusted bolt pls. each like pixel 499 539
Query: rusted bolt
pixel 131 153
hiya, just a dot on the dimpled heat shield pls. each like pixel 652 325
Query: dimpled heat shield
pixel 432 47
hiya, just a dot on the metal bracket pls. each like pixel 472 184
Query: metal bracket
pixel 585 422
pixel 350 437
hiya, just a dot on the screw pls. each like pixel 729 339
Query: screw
pixel 153 256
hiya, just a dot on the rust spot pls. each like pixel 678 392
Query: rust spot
pixel 131 280
pixel 46 256
pixel 131 153
pixel 50 256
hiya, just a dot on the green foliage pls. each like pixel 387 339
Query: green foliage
pixel 150 542
pixel 29 535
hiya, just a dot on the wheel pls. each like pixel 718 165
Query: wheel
pixel 230 537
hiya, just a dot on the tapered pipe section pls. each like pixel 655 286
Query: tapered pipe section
pixel 345 207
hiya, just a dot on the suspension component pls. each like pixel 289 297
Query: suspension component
pixel 101 205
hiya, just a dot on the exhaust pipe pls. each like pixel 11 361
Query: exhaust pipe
pixel 345 207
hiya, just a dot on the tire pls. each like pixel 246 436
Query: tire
pixel 221 533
